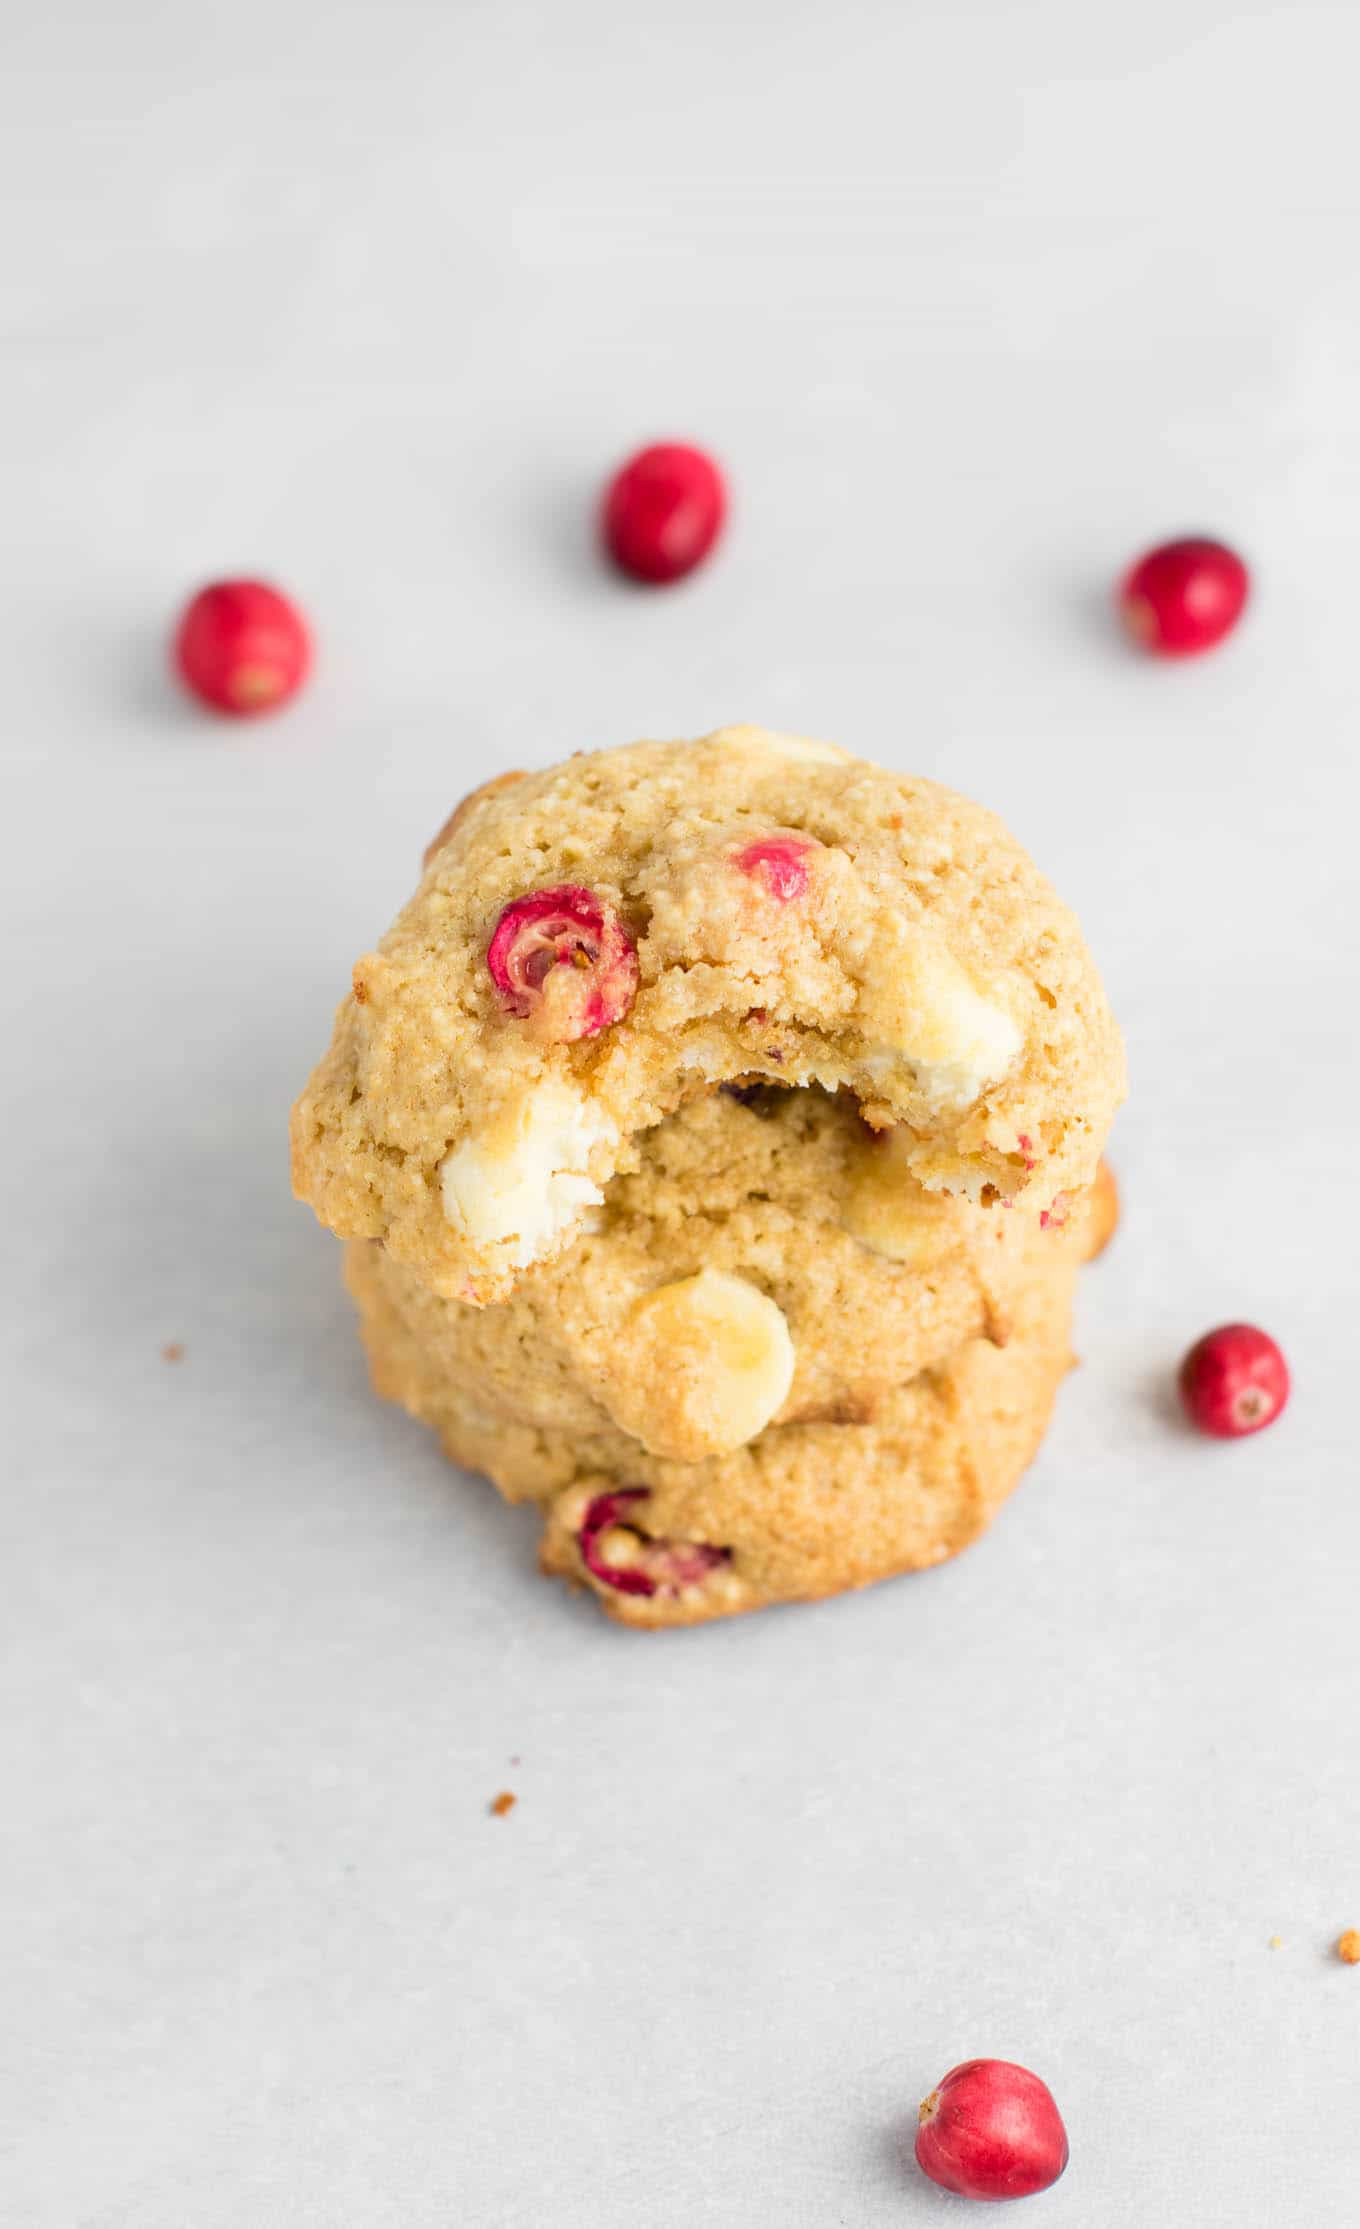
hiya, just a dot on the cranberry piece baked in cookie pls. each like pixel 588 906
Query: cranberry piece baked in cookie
pixel 681 915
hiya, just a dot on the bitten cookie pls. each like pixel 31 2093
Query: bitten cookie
pixel 593 945
pixel 802 1510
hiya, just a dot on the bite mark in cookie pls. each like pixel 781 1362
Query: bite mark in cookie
pixel 785 1198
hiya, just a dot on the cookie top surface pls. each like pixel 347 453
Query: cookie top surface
pixel 594 944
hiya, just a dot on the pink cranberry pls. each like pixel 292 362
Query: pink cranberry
pixel 778 864
pixel 564 956
pixel 1184 597
pixel 1234 1380
pixel 991 2130
pixel 663 511
pixel 652 1566
pixel 242 647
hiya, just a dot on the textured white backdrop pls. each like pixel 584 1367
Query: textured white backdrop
pixel 974 301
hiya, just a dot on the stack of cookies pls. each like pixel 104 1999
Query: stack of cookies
pixel 716 1135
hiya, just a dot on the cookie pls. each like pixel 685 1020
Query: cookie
pixel 767 1260
pixel 801 1511
pixel 594 945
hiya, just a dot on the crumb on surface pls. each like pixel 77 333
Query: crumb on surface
pixel 172 1351
pixel 1277 1942
pixel 503 1804
pixel 1348 1947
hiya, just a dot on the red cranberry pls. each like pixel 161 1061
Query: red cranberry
pixel 663 511
pixel 1184 597
pixel 564 957
pixel 991 2130
pixel 657 1566
pixel 1234 1380
pixel 242 647
pixel 778 864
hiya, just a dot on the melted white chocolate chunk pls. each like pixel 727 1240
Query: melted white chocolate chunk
pixel 889 1212
pixel 925 1009
pixel 700 1367
pixel 525 1178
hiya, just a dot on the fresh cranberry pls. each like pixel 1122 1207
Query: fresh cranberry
pixel 1184 596
pixel 1234 1380
pixel 564 957
pixel 657 1566
pixel 242 647
pixel 778 864
pixel 663 511
pixel 991 2130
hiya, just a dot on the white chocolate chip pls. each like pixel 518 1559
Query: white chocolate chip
pixel 801 747
pixel 889 1212
pixel 925 1010
pixel 570 1508
pixel 525 1178
pixel 699 1367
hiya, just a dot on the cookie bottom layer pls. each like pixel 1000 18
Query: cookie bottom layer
pixel 805 1510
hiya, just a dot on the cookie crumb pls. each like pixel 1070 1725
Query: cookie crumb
pixel 1277 1942
pixel 503 1804
pixel 172 1351
pixel 1348 1947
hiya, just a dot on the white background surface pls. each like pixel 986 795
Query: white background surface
pixel 974 302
